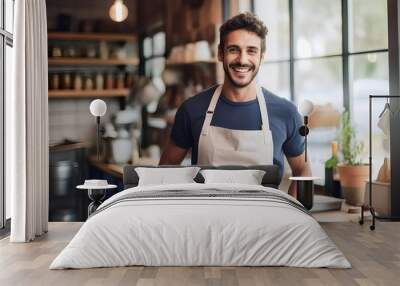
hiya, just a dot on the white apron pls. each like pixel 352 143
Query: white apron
pixel 222 146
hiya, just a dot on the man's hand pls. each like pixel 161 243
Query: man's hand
pixel 172 155
pixel 299 168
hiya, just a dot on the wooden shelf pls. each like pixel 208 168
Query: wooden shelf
pixel 91 36
pixel 207 62
pixel 92 62
pixel 88 93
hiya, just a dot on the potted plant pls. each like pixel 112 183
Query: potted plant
pixel 352 172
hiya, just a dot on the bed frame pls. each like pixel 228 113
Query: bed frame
pixel 271 178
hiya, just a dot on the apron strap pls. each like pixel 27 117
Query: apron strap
pixel 264 112
pixel 211 109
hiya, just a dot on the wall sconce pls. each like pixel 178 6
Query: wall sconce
pixel 305 185
pixel 118 11
pixel 98 108
pixel 305 109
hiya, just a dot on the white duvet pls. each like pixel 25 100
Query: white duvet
pixel 200 231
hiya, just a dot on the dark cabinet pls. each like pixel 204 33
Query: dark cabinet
pixel 67 169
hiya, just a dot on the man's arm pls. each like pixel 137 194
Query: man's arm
pixel 299 168
pixel 172 155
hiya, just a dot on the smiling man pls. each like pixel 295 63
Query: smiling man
pixel 239 122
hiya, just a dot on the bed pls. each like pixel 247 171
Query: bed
pixel 198 224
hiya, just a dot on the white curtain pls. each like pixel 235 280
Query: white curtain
pixel 27 124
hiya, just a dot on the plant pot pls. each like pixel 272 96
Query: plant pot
pixel 352 181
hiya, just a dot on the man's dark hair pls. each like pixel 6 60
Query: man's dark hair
pixel 247 21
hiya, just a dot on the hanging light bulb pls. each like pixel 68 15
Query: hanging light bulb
pixel 118 11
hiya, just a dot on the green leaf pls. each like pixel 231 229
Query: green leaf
pixel 350 148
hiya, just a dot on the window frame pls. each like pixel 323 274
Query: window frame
pixel 6 39
pixel 345 54
pixel 144 59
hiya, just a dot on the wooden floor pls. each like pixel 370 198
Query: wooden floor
pixel 375 257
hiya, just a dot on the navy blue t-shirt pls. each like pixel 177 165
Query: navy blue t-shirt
pixel 284 122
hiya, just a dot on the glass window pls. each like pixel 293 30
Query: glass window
pixel 275 78
pixel 244 5
pixel 319 80
pixel 8 86
pixel 369 76
pixel 158 66
pixel 159 44
pixel 8 70
pixel 147 47
pixel 368 25
pixel 2 138
pixel 317 28
pixel 317 75
pixel 275 15
pixel 1 15
pixel 9 15
pixel 148 67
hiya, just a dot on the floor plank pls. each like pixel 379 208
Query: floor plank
pixel 375 257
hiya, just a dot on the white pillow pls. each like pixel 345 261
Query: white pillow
pixel 163 176
pixel 249 177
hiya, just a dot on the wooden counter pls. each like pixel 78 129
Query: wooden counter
pixel 117 169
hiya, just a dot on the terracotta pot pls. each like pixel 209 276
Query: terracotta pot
pixel 352 181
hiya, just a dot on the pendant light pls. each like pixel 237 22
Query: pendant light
pixel 118 11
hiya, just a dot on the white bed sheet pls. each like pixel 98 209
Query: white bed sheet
pixel 200 231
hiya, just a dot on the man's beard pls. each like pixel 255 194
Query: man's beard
pixel 235 83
